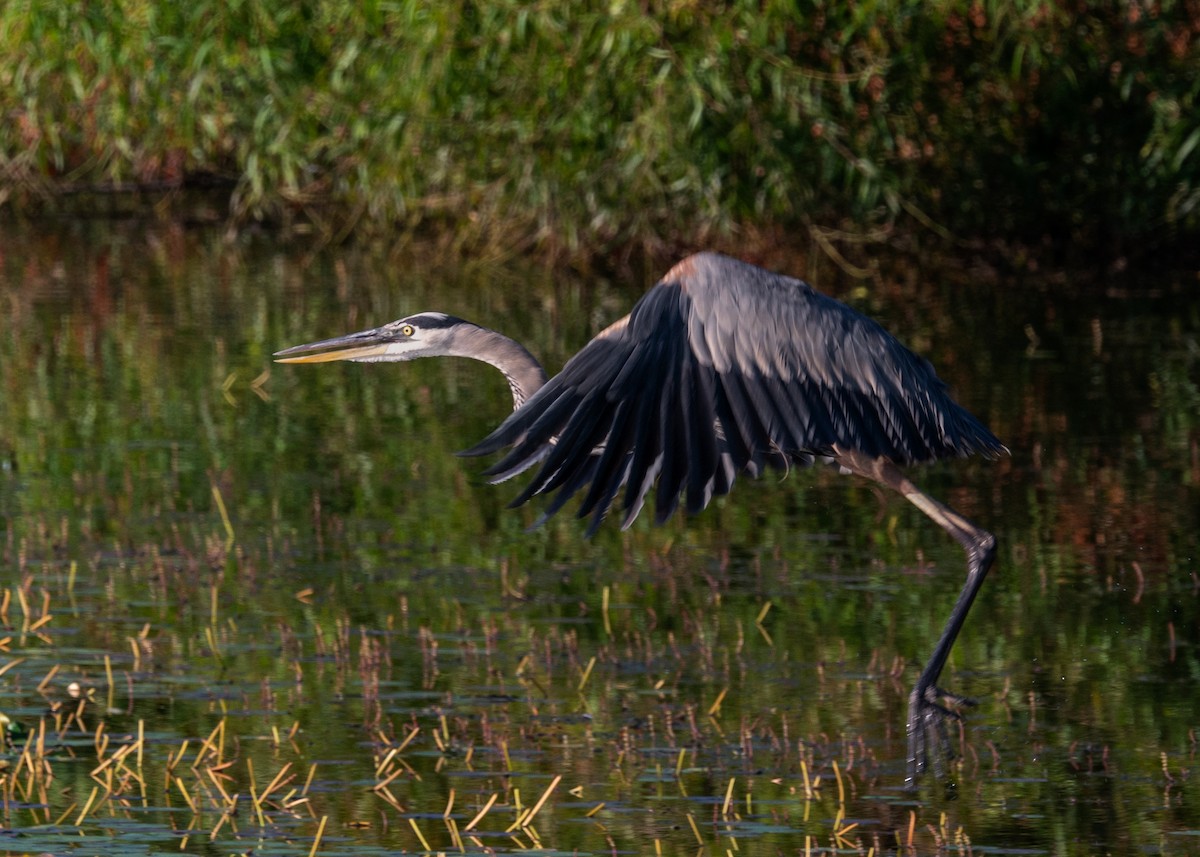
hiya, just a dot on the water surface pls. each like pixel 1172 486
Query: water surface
pixel 304 617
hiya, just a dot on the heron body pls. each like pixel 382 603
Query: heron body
pixel 721 368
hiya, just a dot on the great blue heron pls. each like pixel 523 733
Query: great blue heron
pixel 721 367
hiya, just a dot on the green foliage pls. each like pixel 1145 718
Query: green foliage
pixel 618 120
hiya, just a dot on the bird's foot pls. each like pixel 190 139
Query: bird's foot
pixel 929 711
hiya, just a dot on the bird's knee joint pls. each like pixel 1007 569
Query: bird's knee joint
pixel 983 549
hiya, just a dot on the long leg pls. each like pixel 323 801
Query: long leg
pixel 926 716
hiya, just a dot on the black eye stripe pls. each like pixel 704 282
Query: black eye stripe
pixel 429 321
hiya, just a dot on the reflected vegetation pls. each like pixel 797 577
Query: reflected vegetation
pixel 290 613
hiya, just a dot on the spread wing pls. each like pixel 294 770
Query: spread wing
pixel 721 368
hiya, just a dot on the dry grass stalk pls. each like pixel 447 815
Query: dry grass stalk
pixel 420 835
pixel 479 815
pixel 317 839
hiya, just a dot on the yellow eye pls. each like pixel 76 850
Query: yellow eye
pixel 407 330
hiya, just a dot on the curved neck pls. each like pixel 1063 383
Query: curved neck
pixel 524 374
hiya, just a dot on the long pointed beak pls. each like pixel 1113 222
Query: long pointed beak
pixel 353 346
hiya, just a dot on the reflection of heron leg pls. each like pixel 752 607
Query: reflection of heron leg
pixel 926 716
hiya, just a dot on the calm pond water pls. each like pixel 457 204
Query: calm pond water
pixel 247 606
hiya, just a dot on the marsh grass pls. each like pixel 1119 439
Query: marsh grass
pixel 234 784
pixel 458 765
pixel 605 124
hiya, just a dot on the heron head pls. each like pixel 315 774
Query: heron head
pixel 426 334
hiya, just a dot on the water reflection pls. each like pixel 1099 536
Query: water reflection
pixel 368 586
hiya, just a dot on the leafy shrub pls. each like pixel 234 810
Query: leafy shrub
pixel 605 122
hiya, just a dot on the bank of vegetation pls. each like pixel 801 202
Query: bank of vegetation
pixel 591 124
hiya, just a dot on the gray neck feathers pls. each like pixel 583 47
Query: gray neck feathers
pixel 524 374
